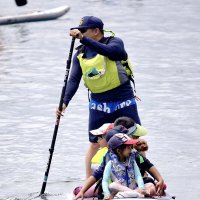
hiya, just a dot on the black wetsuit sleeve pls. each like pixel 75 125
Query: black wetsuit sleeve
pixel 114 50
pixel 98 173
pixel 143 163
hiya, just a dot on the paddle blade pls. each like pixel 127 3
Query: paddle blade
pixel 21 2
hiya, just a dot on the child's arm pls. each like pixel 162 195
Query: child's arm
pixel 106 178
pixel 138 176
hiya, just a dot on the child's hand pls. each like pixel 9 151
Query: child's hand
pixel 141 191
pixel 159 187
pixel 80 195
pixel 107 197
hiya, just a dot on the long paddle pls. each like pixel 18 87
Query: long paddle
pixel 51 150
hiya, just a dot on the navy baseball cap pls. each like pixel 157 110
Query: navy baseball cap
pixel 90 22
pixel 120 139
pixel 116 129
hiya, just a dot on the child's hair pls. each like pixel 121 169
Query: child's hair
pixel 127 122
pixel 121 148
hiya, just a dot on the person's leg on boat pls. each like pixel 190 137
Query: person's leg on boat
pixel 116 187
pixel 89 193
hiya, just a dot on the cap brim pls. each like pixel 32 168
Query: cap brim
pixel 80 27
pixel 140 131
pixel 131 141
pixel 96 132
pixel 101 130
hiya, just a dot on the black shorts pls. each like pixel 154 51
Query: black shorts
pixel 98 118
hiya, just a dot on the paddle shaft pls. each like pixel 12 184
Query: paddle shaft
pixel 51 150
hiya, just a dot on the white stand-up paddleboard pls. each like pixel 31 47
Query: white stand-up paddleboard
pixel 35 16
pixel 166 197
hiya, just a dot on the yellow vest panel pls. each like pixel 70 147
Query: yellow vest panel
pixel 100 74
pixel 98 157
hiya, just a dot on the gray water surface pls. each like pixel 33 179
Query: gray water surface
pixel 162 38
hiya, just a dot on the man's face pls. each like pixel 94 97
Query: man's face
pixel 90 32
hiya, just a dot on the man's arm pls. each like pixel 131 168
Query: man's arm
pixel 113 50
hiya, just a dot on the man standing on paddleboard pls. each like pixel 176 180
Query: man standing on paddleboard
pixel 107 73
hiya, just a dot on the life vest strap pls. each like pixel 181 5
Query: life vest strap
pixel 89 95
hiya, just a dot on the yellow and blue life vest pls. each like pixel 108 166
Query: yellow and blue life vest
pixel 100 74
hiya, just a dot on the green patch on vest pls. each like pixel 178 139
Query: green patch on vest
pixel 141 159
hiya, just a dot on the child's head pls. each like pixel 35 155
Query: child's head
pixel 115 130
pixel 134 130
pixel 124 121
pixel 121 145
pixel 141 145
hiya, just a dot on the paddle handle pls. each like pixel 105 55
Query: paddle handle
pixel 51 150
pixel 21 2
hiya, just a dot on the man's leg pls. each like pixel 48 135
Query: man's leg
pixel 96 119
pixel 93 148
